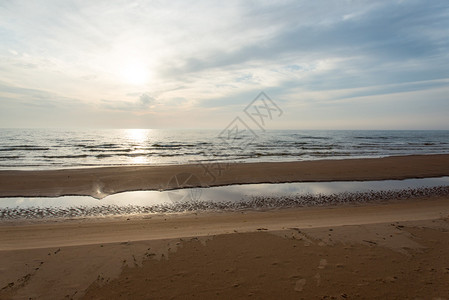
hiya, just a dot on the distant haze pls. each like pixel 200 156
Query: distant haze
pixel 198 64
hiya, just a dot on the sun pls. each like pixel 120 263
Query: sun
pixel 134 73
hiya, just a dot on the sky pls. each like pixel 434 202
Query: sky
pixel 199 64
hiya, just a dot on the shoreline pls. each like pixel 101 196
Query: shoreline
pixel 103 181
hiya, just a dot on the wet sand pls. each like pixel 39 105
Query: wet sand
pixel 390 250
pixel 100 182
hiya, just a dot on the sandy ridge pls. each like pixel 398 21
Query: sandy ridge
pixel 100 182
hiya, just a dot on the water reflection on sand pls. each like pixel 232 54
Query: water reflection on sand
pixel 232 193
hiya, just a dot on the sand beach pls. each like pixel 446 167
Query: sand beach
pixel 389 250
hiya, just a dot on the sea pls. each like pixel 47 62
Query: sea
pixel 34 149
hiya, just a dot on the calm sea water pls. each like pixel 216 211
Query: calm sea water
pixel 52 148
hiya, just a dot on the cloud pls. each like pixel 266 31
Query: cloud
pixel 35 98
pixel 218 55
pixel 142 104
pixel 146 100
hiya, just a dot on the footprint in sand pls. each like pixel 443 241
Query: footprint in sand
pixel 300 285
pixel 318 279
pixel 323 263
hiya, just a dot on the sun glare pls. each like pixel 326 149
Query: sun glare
pixel 135 73
pixel 137 135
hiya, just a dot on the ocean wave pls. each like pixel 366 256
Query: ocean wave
pixel 10 157
pixel 310 137
pixel 110 150
pixel 102 146
pixel 318 147
pixel 65 156
pixel 45 148
pixel 262 154
pixel 374 137
pixel 107 155
pixel 174 145
pixel 25 148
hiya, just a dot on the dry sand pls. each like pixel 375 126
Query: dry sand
pixel 394 250
pixel 100 182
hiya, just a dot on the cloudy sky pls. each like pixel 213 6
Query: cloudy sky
pixel 197 64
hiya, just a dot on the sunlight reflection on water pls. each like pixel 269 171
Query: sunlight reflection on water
pixel 233 193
